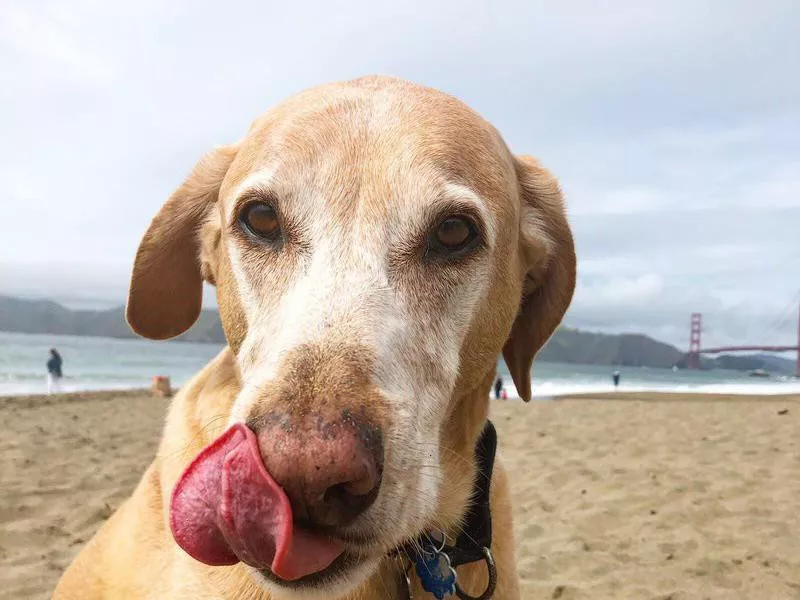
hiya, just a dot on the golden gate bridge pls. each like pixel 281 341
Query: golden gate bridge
pixel 696 347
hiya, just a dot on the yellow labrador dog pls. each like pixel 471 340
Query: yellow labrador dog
pixel 374 246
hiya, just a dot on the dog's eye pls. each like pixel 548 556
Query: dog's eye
pixel 453 235
pixel 261 220
pixel 453 232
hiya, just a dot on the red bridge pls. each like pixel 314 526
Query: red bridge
pixel 696 349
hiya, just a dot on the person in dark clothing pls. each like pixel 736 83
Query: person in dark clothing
pixel 616 377
pixel 498 387
pixel 54 373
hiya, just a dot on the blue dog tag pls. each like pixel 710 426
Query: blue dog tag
pixel 436 574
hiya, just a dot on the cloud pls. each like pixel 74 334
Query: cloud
pixel 51 37
pixel 622 201
pixel 672 127
pixel 780 189
pixel 622 292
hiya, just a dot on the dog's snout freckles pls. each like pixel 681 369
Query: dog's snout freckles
pixel 330 465
pixel 321 425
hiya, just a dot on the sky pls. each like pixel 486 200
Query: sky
pixel 674 128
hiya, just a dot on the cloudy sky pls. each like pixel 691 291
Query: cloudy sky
pixel 673 126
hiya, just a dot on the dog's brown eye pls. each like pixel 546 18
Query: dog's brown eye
pixel 453 232
pixel 261 220
pixel 452 237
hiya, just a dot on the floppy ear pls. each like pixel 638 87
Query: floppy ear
pixel 548 254
pixel 166 288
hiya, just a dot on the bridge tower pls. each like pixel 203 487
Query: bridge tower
pixel 797 364
pixel 693 357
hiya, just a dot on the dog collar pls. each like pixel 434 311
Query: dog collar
pixel 435 561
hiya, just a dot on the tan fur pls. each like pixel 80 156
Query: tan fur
pixel 356 169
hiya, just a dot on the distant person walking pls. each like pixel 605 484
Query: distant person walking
pixel 498 387
pixel 616 377
pixel 54 373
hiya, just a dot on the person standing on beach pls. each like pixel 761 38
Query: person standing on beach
pixel 54 373
pixel 498 387
pixel 616 377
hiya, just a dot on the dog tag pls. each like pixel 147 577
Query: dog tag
pixel 436 574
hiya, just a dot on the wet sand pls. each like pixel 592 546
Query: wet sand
pixel 629 496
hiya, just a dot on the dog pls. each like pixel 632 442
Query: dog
pixel 374 246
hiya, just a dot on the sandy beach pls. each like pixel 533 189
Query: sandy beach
pixel 633 496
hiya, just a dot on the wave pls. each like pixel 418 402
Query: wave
pixel 553 389
pixel 30 387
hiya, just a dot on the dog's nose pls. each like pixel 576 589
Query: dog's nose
pixel 330 469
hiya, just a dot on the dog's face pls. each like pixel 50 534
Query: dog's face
pixel 374 247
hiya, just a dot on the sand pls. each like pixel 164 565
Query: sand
pixel 644 496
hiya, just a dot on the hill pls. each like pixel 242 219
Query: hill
pixel 44 316
pixel 627 349
pixel 567 345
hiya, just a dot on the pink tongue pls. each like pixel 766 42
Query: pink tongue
pixel 227 508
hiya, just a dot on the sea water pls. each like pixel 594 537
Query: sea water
pixel 95 363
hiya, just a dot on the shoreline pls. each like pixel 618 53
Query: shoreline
pixel 682 396
pixel 99 395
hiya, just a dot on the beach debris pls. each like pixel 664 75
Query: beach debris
pixel 785 411
pixel 104 513
pixel 161 386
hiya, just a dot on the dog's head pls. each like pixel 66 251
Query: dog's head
pixel 374 247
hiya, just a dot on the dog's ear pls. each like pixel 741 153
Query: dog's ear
pixel 166 288
pixel 548 256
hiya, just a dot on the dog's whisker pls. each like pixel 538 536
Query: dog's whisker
pixel 203 429
pixel 464 461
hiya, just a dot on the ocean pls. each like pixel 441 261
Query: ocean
pixel 94 363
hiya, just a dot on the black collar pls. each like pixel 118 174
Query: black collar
pixel 474 540
pixel 476 534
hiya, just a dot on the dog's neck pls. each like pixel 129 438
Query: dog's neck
pixel 468 411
